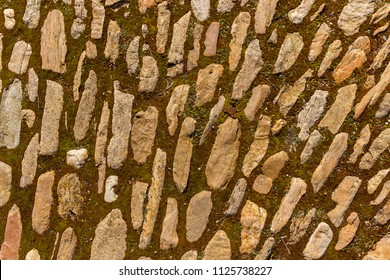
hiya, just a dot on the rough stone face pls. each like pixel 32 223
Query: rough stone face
pixel 329 161
pixel 183 154
pixel 190 255
pixel 197 215
pixel 138 196
pixel 176 107
pixel 28 116
pixel 262 184
pixel 383 215
pixel 225 6
pixel 70 198
pixel 236 197
pixel 259 95
pixel 214 114
pixel 33 255
pixel 11 115
pixel 78 25
pixel 143 133
pixel 264 14
pixel 287 206
pixel 54 102
pixel 163 20
pixel 380 14
pixel 239 31
pixel 218 247
pixel 32 85
pixel 297 15
pixel 12 236
pixel 380 29
pixel 201 9
pixel 274 164
pixel 318 242
pixel 111 51
pixel 109 194
pixel 53 42
pixel 132 59
pixel 273 39
pixel 5 183
pixel 207 82
pixel 144 5
pixel 30 162
pixel 90 50
pixel 381 250
pixel 252 65
pixel 258 147
pixel 318 12
pixel 252 221
pixel 121 125
pixel 378 146
pixel 77 76
pixel 265 251
pixel 375 181
pixel 101 135
pixel 86 107
pixel 339 110
pixel 384 107
pixel 149 74
pixel 364 138
pixel 176 51
pixel 289 52
pixel 332 53
pixel 381 55
pixel 311 112
pixel 154 196
pixel 319 40
pixel 211 39
pixel 222 161
pixel 289 96
pixel 32 13
pixel 110 238
pixel 354 14
pixel 9 18
pixel 98 15
pixel 193 54
pixel 299 225
pixel 343 196
pixel 67 245
pixel 20 57
pixel 169 237
pixel 382 195
pixel 347 233
pixel 314 139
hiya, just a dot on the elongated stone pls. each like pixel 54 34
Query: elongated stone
pixel 102 135
pixel 347 233
pixel 381 55
pixel 382 195
pixel 319 40
pixel 32 13
pixel 225 6
pixel 32 85
pixel 218 248
pixel 364 138
pixel 384 107
pixel 206 83
pixel 239 31
pixel 179 37
pixel 70 197
pixel 193 54
pixel 109 194
pixel 380 251
pixel 256 101
pixel 383 215
pixel 376 180
pixel 354 14
pixel 274 164
pixel 20 57
pixel 211 40
pixel 77 77
pixel 132 56
pixel 169 237
pixel 265 12
pixel 378 146
pixel 67 244
pixel 236 197
pixel 201 9
pixel 298 14
pixel 318 242
pixel 214 114
pixel 138 196
pixel 111 51
pixel 265 251
pixel 163 20
pixel 332 53
pixel 176 107
pixel 299 225
pixel 143 5
pixel 5 183
pixel 314 139
pixel 197 215
pixel 30 162
pixel 289 52
pixel 149 74
pixel 98 15
pixel 12 235
pixel 380 14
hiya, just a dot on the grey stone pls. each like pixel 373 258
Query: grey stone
pixel 318 242
pixel 20 57
pixel 236 197
pixel 30 162
pixel 289 52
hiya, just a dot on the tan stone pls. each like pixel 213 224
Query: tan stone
pixel 274 164
pixel 206 83
pixel 354 14
pixel 175 107
pixel 382 195
pixel 265 251
pixel 332 53
pixel 163 20
pixel 70 197
pixel 264 14
pixel 378 146
pixel 298 14
pixel 32 85
pixel 111 51
pixel 383 215
pixel 67 245
pixel 236 197
pixel 289 52
pixel 143 5
pixel 179 37
pixel 33 255
pixel 30 162
pixel 211 39
pixel 319 40
pixel 214 114
pixel 375 181
pixel 98 15
pixel 197 215
pixel 347 233
pixel 193 54
pixel 318 242
pixel 256 101
pixel 102 135
pixel 138 196
pixel 149 75
pixel 12 235
pixel 299 225
pixel 32 13
pixel 20 57
pixel 381 250
pixel 190 255
pixel 239 31
pixel 262 184
pixel 201 9
pixel 314 139
pixel 218 247
pixel 5 183
pixel 169 237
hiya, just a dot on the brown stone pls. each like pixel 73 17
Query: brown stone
pixel 206 83
pixel 218 247
pixel 169 237
pixel 211 40
pixel 274 164
pixel 347 233
pixel 12 236
pixel 67 245
pixel 197 215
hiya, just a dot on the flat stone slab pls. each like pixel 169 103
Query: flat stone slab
pixel 318 242
pixel 197 216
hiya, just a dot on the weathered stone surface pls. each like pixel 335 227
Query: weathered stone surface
pixel 311 112
pixel 154 196
pixel 163 20
pixel 169 237
pixel 214 114
pixel 179 37
pixel 110 238
pixel 354 58
pixel 298 14
pixel 98 15
pixel 354 14
pixel 67 245
pixel 175 70
pixel 347 233
pixel 343 196
pixel 289 52
pixel 287 206
pixel 138 196
pixel 273 39
pixel 70 197
pixel 258 147
pixel 33 255
pixel 225 6
pixel 264 14
pixel 77 76
pixel 362 141
pixel 262 184
pixel 143 133
pixel 335 116
pixel 319 40
pixel 197 215
pixel 236 197
pixel 193 54
pixel 176 107
pixel 274 164
pixel 384 107
pixel 30 162
pixel 20 57
pixel 380 14
pixel 149 74
pixel 78 25
pixel 382 195
pixel 9 18
pixel 314 139
pixel 375 181
pixel 109 194
pixel 54 102
pixel 144 5
pixel 318 12
pixel 132 59
pixel 183 154
pixel 53 42
pixel 332 53
pixel 90 50
pixel 329 161
pixel 12 235
pixel 29 117
pixel 299 225
pixel 201 9
pixel 190 255
pixel 218 247
pixel 378 146
pixel 207 82
pixel 11 115
pixel 318 242
pixel 252 221
pixel 121 125
pixel 289 96
pixel 101 135
pixel 381 55
pixel 32 85
pixel 380 29
pixel 370 82
pixel 265 251
pixel 5 183
pixel 32 13
pixel 222 161
pixel 383 215
pixel 211 39
pixel 86 107
pixel 252 65
pixel 76 158
pixel 239 31
pixel 111 51
pixel 259 95
pixel 381 250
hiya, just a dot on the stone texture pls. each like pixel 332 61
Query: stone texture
pixel 299 225
pixel 179 37
pixel 382 195
pixel 67 245
pixel 206 83
pixel 384 107
pixel 298 14
pixel 201 9
pixel 289 52
pixel 378 146
pixel 225 6
pixel 262 184
pixel 197 215
pixel 329 161
pixel 98 15
pixel 102 135
pixel 32 85
pixel 77 76
pixel 30 162
pixel 5 183
pixel 78 25
pixel 42 203
pixel 90 50
pixel 193 54
pixel 32 13
pixel 380 14
pixel 33 255
pixel 222 161
pixel 110 238
pixel 175 107
pixel 354 14
pixel 347 233
pixel 256 101
pixel 190 255
pixel 265 251
pixel 319 40
pixel 383 215
pixel 111 51
pixel 169 237
pixel 318 12
pixel 163 20
pixel 211 39
pixel 144 5
pixel 236 197
pixel 273 39
pixel 381 29
pixel 70 197
pixel 381 55
pixel 380 251
pixel 318 242
pixel 361 142
pixel 109 194
pixel 138 196
pixel 332 53
pixel 376 180
pixel 149 74
pixel 20 57
pixel 239 31
pixel 264 14
pixel 12 235
pixel 274 164
pixel 218 247
pixel 314 139
pixel 214 114
pixel 28 116
pixel 132 56
pixel 9 18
